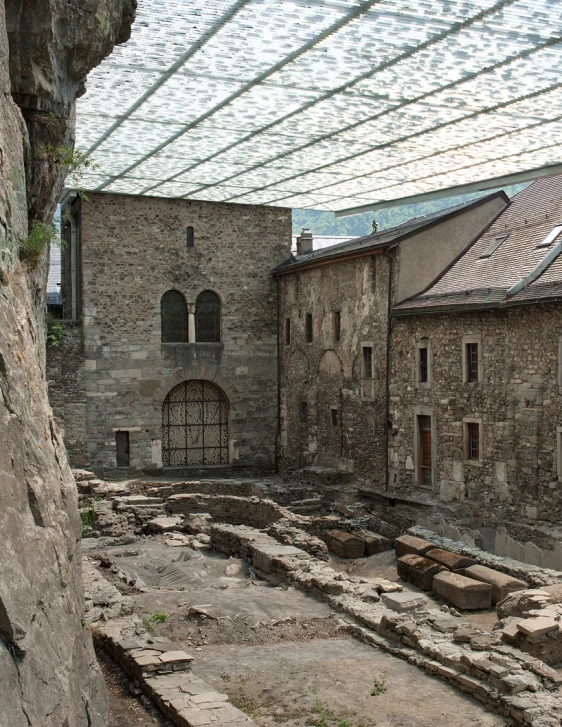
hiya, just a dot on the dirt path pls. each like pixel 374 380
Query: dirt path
pixel 335 683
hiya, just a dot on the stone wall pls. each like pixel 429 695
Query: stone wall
pixel 48 672
pixel 517 402
pixel 134 250
pixel 67 395
pixel 327 374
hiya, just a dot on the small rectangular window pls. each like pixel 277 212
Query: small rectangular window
pixel 425 458
pixel 337 325
pixel 334 415
pixel 122 446
pixel 424 368
pixel 304 411
pixel 288 331
pixel 367 362
pixel 491 249
pixel 309 327
pixel 473 441
pixel 471 362
pixel 190 236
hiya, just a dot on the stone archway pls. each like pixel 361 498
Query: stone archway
pixel 195 425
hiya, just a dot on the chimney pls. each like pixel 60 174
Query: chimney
pixel 304 242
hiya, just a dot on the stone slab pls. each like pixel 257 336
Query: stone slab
pixel 464 593
pixel 374 543
pixel 345 545
pixel 264 554
pixel 169 656
pixel 452 561
pixel 418 570
pixel 537 626
pixel 406 544
pixel 404 602
pixel 501 583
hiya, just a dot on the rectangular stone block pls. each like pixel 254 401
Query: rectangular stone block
pixel 418 570
pixel 374 543
pixel 462 592
pixel 452 561
pixel 406 544
pixel 264 554
pixel 345 545
pixel 404 602
pixel 501 583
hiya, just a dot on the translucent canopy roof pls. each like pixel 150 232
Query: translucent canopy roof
pixel 324 104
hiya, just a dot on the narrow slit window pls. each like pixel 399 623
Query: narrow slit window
pixel 190 236
pixel 309 327
pixel 425 461
pixel 304 412
pixel 122 447
pixel 471 362
pixel 491 249
pixel 552 235
pixel 424 365
pixel 288 331
pixel 367 362
pixel 334 416
pixel 473 441
pixel 337 325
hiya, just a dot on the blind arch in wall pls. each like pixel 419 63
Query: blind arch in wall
pixel 173 317
pixel 208 317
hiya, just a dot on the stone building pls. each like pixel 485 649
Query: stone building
pixel 178 314
pixel 334 312
pixel 476 375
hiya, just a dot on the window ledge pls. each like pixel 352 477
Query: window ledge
pixel 474 462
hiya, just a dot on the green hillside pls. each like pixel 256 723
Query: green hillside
pixel 325 223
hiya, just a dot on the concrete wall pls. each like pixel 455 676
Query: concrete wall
pixel 327 374
pixel 518 403
pixel 425 255
pixel 134 250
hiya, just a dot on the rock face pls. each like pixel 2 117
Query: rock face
pixel 48 672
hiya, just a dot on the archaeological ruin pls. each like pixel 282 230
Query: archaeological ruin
pixel 253 478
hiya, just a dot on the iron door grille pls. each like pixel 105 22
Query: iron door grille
pixel 194 425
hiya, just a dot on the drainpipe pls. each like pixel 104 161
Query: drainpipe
pixel 387 375
pixel 73 265
pixel 278 442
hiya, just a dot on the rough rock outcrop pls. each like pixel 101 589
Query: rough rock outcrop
pixel 48 672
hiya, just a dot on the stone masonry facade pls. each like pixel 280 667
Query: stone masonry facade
pixel 332 413
pixel 133 250
pixel 517 404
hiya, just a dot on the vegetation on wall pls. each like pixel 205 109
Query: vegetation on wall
pixel 40 237
pixel 325 223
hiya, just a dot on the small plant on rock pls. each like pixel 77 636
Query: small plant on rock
pixel 88 517
pixel 55 331
pixel 155 618
pixel 40 237
pixel 379 686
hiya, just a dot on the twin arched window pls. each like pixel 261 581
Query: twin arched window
pixel 174 318
pixel 173 315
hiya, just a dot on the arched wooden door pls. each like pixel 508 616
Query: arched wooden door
pixel 195 425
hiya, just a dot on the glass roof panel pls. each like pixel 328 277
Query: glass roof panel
pixel 325 103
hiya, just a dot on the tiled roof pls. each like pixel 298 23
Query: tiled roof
pixel 377 240
pixel 54 279
pixel 484 281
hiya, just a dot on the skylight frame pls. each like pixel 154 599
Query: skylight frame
pixel 551 237
pixel 248 86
